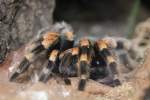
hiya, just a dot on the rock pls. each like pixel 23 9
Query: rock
pixel 20 20
pixel 141 40
pixel 3 49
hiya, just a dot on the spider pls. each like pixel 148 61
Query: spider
pixel 87 59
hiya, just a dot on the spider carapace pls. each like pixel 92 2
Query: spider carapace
pixel 82 59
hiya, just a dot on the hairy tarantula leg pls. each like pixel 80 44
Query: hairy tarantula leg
pixel 53 58
pixel 51 41
pixel 123 47
pixel 67 41
pixel 47 41
pixel 63 67
pixel 84 71
pixel 68 63
pixel 26 62
pixel 67 35
pixel 103 50
pixel 22 67
pixel 84 62
pixel 118 43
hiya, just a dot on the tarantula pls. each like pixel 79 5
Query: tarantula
pixel 86 59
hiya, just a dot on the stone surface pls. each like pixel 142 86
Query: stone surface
pixel 20 20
